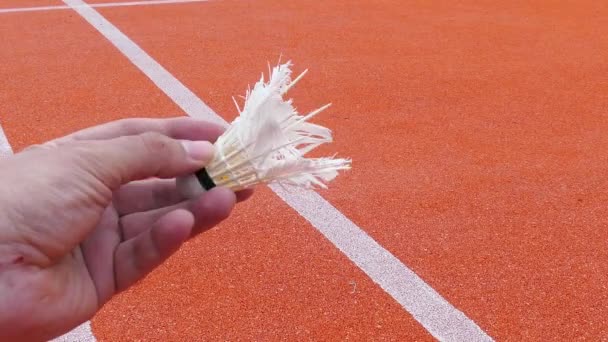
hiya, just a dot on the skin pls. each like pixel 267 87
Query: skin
pixel 86 216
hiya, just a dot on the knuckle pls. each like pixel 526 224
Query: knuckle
pixel 127 126
pixel 156 143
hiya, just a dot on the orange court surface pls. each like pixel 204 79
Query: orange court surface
pixel 477 205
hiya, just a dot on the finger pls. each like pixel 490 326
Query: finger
pixel 136 257
pixel 119 161
pixel 146 195
pixel 98 251
pixel 141 196
pixel 209 210
pixel 185 128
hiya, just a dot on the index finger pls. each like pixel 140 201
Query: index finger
pixel 183 128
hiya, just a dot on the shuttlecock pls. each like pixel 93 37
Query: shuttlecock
pixel 266 143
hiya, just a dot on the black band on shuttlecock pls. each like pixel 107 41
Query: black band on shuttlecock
pixel 203 178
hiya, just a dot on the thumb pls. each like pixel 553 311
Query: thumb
pixel 121 160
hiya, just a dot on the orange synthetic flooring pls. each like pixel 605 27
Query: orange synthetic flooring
pixel 476 129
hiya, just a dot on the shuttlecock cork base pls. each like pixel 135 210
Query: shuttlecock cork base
pixel 266 143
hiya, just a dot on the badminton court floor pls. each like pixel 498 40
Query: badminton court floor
pixel 477 206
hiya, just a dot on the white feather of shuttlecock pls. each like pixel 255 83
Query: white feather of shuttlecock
pixel 267 142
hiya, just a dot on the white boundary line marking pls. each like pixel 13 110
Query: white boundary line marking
pixel 432 311
pixel 5 147
pixel 82 333
pixel 33 9
pixel 107 4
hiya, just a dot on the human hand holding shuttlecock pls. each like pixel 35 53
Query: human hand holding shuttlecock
pixel 266 143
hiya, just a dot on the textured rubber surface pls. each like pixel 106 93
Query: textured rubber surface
pixel 264 273
pixel 481 124
pixel 480 121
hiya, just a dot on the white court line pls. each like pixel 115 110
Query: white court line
pixel 107 4
pixel 5 147
pixel 82 333
pixel 433 312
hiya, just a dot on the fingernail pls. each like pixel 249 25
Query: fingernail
pixel 199 150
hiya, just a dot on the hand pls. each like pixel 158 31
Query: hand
pixel 86 216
